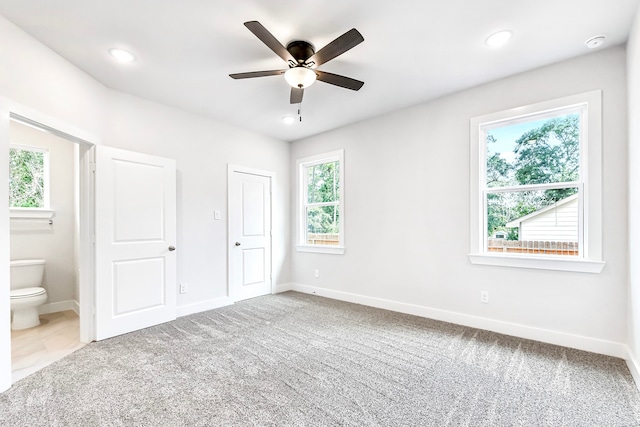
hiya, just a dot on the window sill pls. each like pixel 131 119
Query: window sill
pixel 321 249
pixel 31 213
pixel 579 265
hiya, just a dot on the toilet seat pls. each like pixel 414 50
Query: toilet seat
pixel 27 293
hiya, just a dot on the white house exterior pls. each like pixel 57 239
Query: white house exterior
pixel 557 222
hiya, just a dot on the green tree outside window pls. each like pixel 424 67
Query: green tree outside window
pixel 26 178
pixel 546 153
pixel 323 186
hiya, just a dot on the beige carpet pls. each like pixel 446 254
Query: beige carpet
pixel 300 360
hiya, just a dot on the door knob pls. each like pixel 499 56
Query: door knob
pixel 172 248
pixel 237 243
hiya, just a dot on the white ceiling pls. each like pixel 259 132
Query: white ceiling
pixel 414 50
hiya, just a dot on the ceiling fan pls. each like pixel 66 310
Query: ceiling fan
pixel 303 60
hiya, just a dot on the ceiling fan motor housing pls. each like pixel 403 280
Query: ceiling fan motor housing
pixel 301 51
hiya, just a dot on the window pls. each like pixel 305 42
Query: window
pixel 29 181
pixel 321 195
pixel 536 186
pixel 28 177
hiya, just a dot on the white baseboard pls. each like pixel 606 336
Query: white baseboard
pixel 564 339
pixel 633 365
pixel 198 307
pixel 284 287
pixel 55 307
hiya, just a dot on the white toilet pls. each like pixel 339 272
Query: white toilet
pixel 27 293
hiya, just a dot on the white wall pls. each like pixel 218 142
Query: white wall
pixel 633 76
pixel 39 79
pixel 37 239
pixel 407 216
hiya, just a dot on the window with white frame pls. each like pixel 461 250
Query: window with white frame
pixel 28 177
pixel 536 186
pixel 321 203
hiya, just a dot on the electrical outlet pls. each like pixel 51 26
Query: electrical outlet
pixel 317 274
pixel 184 288
pixel 484 297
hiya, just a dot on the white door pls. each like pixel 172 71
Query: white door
pixel 135 202
pixel 249 235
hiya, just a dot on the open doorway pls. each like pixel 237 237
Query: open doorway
pixel 49 228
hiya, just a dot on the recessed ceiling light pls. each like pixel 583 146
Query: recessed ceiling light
pixel 499 39
pixel 288 120
pixel 122 55
pixel 595 42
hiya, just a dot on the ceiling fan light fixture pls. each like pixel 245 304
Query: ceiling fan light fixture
pixel 288 120
pixel 300 77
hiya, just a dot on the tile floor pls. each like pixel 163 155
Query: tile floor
pixel 32 349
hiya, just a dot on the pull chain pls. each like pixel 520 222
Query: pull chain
pixel 300 103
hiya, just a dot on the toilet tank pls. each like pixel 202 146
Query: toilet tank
pixel 26 273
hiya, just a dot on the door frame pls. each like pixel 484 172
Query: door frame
pixel 10 110
pixel 249 171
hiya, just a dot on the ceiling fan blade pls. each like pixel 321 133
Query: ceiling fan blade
pixel 337 47
pixel 342 81
pixel 296 95
pixel 256 74
pixel 267 38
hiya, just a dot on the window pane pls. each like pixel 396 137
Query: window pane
pixel 323 225
pixel 534 222
pixel 26 178
pixel 323 182
pixel 536 152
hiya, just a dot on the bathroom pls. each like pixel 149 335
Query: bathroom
pixel 47 232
